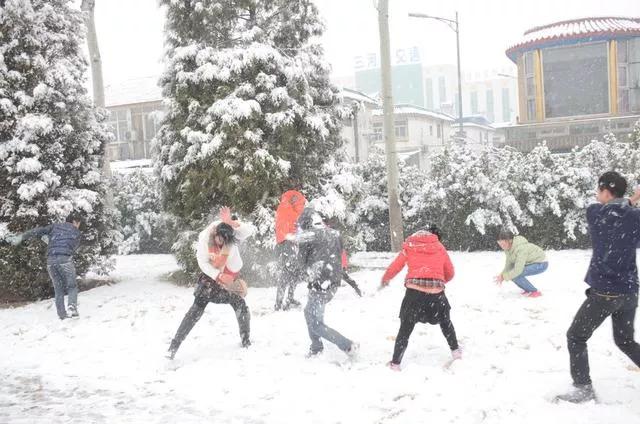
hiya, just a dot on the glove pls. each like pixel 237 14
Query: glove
pixel 15 240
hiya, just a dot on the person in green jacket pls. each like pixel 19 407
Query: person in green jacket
pixel 522 260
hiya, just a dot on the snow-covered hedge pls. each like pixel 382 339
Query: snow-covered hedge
pixel 144 226
pixel 470 194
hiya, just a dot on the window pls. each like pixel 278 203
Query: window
pixel 530 85
pixel 490 110
pixel 401 129
pixel 528 63
pixel 506 106
pixel 576 80
pixel 377 132
pixel 442 90
pixel 629 75
pixel 474 102
pixel 431 130
pixel 439 127
pixel 531 108
pixel 119 125
pixel 429 92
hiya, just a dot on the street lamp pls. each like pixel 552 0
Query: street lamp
pixel 454 25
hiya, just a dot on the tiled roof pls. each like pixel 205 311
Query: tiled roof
pixel 138 90
pixel 576 30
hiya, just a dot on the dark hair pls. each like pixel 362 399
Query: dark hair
pixel 433 229
pixel 505 234
pixel 74 217
pixel 226 233
pixel 614 183
pixel 305 220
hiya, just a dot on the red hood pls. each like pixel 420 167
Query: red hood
pixel 423 242
pixel 293 199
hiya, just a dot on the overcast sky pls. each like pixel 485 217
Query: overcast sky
pixel 131 40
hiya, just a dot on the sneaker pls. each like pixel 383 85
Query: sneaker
pixel 313 353
pixel 581 394
pixel 354 350
pixel 291 304
pixel 456 354
pixel 171 353
pixel 393 366
pixel 532 294
pixel 294 303
pixel 72 312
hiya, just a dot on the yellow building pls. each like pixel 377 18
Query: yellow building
pixel 577 80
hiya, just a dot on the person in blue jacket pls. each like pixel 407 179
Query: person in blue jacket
pixel 614 227
pixel 63 240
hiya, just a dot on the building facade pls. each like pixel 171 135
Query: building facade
pixel 419 133
pixel 357 131
pixel 577 80
pixel 492 93
pixel 136 110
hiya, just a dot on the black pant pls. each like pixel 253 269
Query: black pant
pixel 406 328
pixel 590 316
pixel 209 291
pixel 289 267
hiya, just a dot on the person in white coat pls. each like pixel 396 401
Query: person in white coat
pixel 220 262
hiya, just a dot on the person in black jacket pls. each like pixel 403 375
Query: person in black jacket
pixel 320 252
pixel 63 240
pixel 614 227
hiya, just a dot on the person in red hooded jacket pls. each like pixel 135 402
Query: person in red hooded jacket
pixel 291 205
pixel 430 268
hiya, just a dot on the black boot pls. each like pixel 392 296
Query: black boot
pixel 582 393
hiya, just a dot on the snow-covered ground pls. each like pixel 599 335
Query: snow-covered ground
pixel 109 365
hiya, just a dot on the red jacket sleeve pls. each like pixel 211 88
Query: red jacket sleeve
pixel 448 266
pixel 396 266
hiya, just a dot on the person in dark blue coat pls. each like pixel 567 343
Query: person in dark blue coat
pixel 63 240
pixel 614 227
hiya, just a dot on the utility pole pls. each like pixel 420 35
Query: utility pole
pixel 455 26
pixel 459 78
pixel 395 213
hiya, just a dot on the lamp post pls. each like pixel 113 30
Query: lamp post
pixel 455 26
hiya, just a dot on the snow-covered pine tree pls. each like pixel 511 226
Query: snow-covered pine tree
pixel 51 140
pixel 251 111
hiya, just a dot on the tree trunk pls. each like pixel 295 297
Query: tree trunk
pixel 87 8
